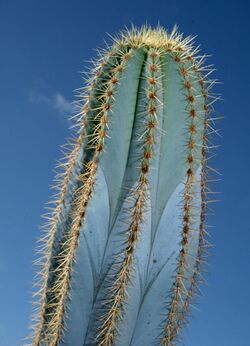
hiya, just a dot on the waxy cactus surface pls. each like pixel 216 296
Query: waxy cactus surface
pixel 123 247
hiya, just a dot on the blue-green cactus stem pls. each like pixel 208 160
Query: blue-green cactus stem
pixel 124 245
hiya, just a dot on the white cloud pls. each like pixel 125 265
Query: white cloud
pixel 56 101
pixel 62 105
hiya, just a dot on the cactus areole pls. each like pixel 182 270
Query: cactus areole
pixel 124 243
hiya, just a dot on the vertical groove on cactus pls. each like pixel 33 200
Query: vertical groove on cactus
pixel 125 243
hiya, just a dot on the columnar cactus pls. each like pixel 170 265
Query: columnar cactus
pixel 123 247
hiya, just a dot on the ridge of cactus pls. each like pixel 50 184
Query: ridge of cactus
pixel 138 196
pixel 179 288
pixel 95 142
pixel 144 172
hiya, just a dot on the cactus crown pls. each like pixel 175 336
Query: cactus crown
pixel 141 146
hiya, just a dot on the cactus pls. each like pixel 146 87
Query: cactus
pixel 121 256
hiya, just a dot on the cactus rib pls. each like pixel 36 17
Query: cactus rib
pixel 139 195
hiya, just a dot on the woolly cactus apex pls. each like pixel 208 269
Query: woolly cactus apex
pixel 124 244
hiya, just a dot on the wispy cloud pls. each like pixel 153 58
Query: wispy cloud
pixel 56 101
pixel 62 105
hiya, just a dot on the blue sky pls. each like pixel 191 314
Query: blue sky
pixel 43 46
